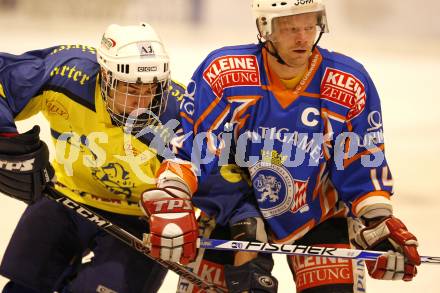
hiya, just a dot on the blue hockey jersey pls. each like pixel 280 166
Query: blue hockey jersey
pixel 313 152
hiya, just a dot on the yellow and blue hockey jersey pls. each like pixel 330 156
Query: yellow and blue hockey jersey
pixel 313 152
pixel 96 163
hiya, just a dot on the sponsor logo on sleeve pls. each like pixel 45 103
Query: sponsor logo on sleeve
pixel 232 70
pixel 71 73
pixel 83 48
pixel 374 120
pixel 344 89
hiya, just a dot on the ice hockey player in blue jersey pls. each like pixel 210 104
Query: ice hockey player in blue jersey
pixel 307 124
pixel 89 96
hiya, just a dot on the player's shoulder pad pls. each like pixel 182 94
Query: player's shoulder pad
pixel 176 92
pixel 343 62
pixel 175 97
pixel 247 49
pixel 342 73
pixel 221 65
pixel 73 70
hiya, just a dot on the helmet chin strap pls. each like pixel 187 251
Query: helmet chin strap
pixel 274 54
pixel 277 56
pixel 319 37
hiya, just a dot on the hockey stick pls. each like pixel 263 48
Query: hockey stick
pixel 292 249
pixel 128 239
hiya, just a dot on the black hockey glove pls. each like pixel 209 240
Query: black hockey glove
pixel 24 166
pixel 253 276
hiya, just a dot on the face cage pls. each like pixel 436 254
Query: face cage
pixel 126 108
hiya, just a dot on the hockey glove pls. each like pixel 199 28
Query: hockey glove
pixel 389 234
pixel 24 166
pixel 253 276
pixel 173 226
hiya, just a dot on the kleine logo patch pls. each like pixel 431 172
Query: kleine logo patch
pixel 314 271
pixel 232 70
pixel 344 89
pixel 211 272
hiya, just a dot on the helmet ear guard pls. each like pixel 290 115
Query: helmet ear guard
pixel 133 56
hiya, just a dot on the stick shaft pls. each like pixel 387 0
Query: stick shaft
pixel 292 249
pixel 128 239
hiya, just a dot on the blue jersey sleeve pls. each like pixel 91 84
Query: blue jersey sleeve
pixel 224 190
pixel 24 77
pixel 359 169
pixel 227 195
pixel 204 114
pixel 21 78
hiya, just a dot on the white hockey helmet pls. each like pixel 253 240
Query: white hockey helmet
pixel 133 55
pixel 266 10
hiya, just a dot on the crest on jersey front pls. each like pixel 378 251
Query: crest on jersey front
pixel 277 191
pixel 55 107
pixel 115 179
pixel 268 186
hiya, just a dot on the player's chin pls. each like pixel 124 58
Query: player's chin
pixel 297 60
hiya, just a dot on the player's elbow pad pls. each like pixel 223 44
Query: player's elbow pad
pixel 249 229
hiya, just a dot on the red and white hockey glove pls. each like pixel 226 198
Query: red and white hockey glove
pixel 390 234
pixel 173 226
